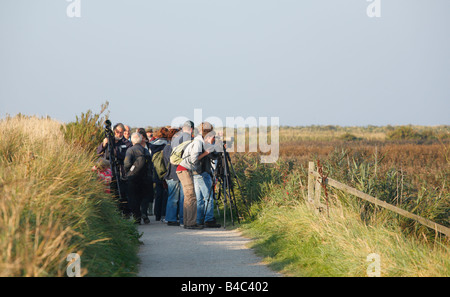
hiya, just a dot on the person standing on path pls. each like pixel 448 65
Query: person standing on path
pixel 156 147
pixel 202 175
pixel 120 147
pixel 185 176
pixel 139 169
pixel 174 208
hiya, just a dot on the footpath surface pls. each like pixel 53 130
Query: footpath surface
pixel 172 251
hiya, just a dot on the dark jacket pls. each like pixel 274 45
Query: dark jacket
pixel 171 169
pixel 206 163
pixel 157 145
pixel 120 150
pixel 132 154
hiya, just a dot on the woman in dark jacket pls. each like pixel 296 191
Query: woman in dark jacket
pixel 138 167
pixel 157 146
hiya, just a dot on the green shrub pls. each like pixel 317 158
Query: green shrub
pixel 87 131
pixel 408 133
pixel 403 133
pixel 349 137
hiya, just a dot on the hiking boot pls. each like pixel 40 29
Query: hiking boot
pixel 193 227
pixel 212 224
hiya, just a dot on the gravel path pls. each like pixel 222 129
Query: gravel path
pixel 171 251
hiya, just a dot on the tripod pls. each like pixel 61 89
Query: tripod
pixel 224 175
pixel 112 159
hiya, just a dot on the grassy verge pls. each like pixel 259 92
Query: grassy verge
pixel 52 205
pixel 297 241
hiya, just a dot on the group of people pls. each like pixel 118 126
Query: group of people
pixel 168 173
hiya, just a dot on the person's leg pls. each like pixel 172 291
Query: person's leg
pixel 124 194
pixel 147 196
pixel 199 186
pixel 134 201
pixel 190 200
pixel 121 199
pixel 173 191
pixel 209 198
pixel 158 200
pixel 152 199
pixel 144 206
pixel 165 196
pixel 140 197
pixel 180 205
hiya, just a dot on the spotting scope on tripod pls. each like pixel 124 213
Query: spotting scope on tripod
pixel 224 177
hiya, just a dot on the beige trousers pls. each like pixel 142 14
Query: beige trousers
pixel 190 200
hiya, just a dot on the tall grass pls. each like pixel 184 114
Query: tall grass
pixel 52 205
pixel 296 240
pixel 299 242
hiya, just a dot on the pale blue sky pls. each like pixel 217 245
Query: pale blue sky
pixel 308 62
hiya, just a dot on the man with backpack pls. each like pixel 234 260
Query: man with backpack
pixel 202 175
pixel 139 169
pixel 181 147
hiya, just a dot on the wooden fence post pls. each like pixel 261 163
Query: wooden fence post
pixel 314 192
pixel 317 191
pixel 311 182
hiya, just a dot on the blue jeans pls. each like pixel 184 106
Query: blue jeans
pixel 174 201
pixel 205 199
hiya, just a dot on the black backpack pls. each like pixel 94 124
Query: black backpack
pixel 140 167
